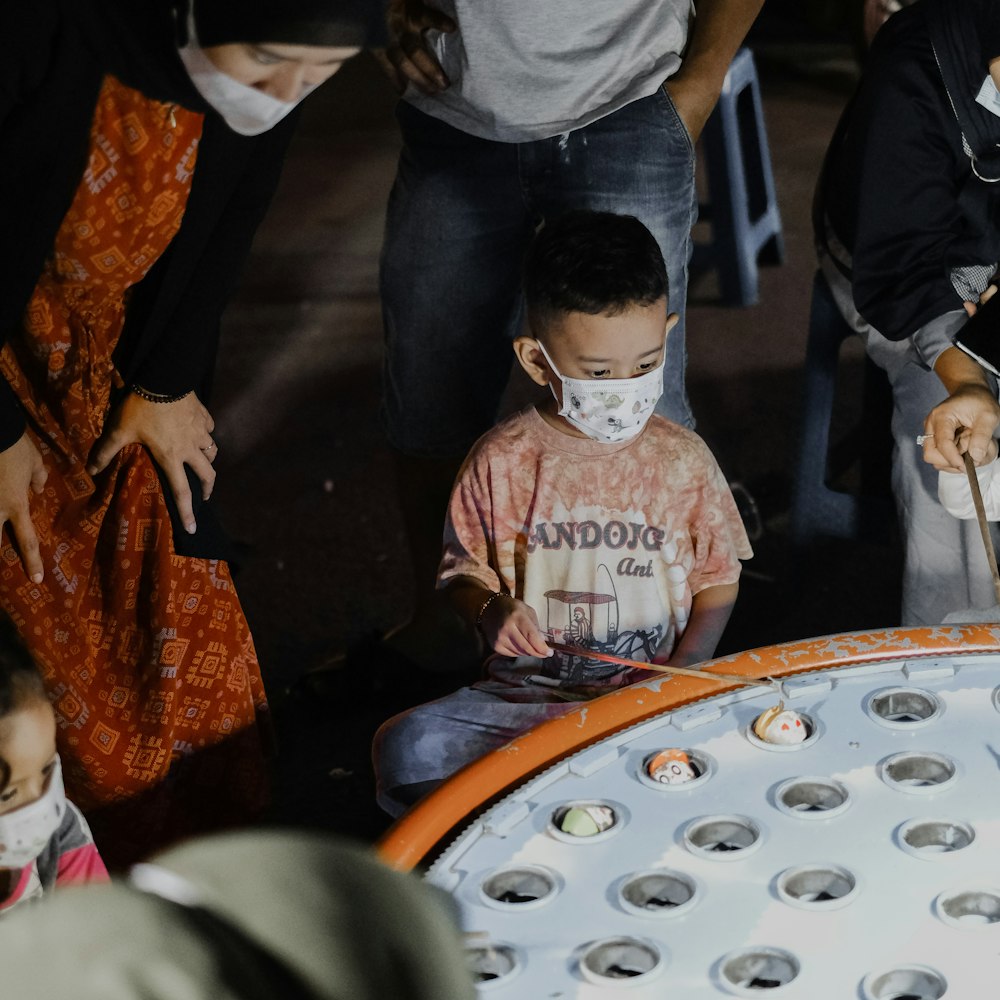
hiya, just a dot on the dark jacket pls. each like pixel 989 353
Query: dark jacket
pixel 54 55
pixel 898 189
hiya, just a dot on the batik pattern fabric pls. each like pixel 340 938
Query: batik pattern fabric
pixel 147 656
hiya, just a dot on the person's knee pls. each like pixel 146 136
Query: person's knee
pixel 396 800
pixel 395 753
pixel 401 755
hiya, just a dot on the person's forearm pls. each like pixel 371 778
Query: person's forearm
pixel 716 34
pixel 956 369
pixel 966 420
pixel 710 611
pixel 467 596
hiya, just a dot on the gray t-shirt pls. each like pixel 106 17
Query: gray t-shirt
pixel 531 69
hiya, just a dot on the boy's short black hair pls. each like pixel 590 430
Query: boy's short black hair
pixel 592 262
pixel 20 681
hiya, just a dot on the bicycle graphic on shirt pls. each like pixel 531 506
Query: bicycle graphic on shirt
pixel 589 619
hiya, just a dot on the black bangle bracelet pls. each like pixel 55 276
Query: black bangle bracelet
pixel 156 397
pixel 482 611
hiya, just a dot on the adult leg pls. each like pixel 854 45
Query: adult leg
pixel 638 161
pixel 945 567
pixel 449 280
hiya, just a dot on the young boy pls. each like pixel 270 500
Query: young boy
pixel 584 520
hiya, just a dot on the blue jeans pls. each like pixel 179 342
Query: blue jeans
pixel 460 216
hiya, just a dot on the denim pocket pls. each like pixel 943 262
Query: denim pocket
pixel 677 122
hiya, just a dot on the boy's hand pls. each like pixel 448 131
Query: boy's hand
pixel 510 628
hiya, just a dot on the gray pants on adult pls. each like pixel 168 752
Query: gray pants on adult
pixel 944 565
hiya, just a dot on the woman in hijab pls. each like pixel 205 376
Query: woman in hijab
pixel 142 142
pixel 908 224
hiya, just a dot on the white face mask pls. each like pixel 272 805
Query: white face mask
pixel 246 110
pixel 610 410
pixel 25 831
pixel 989 96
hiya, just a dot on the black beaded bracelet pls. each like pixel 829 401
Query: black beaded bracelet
pixel 482 611
pixel 157 397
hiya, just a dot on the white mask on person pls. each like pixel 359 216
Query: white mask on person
pixel 245 109
pixel 989 96
pixel 25 831
pixel 610 410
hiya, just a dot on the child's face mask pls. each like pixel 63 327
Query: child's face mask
pixel 24 832
pixel 610 410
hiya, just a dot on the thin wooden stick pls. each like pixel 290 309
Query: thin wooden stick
pixel 984 528
pixel 589 654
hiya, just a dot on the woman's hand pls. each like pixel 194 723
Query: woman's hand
pixel 21 469
pixel 176 434
pixel 510 628
pixel 408 58
pixel 964 422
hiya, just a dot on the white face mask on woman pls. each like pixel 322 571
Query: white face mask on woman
pixel 610 410
pixel 246 110
pixel 24 832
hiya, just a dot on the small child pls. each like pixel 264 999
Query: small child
pixel 44 840
pixel 586 520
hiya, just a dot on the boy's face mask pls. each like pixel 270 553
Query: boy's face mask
pixel 25 831
pixel 610 410
pixel 245 110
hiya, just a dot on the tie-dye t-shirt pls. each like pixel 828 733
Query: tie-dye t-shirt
pixel 608 543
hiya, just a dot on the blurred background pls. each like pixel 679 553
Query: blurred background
pixel 305 483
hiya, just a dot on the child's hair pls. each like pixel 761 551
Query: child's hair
pixel 592 262
pixel 20 681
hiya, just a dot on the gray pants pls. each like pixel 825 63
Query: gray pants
pixel 432 741
pixel 944 563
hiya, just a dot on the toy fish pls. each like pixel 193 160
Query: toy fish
pixel 587 821
pixel 780 726
pixel 671 767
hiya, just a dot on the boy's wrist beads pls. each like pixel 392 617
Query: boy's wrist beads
pixel 157 397
pixel 482 611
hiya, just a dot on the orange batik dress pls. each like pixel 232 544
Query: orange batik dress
pixel 147 655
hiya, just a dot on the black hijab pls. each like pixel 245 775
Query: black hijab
pixel 292 22
pixel 965 35
pixel 904 229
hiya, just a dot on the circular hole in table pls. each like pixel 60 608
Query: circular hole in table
pixel 658 893
pixel 752 971
pixel 519 887
pixel 902 708
pixel 915 982
pixel 612 960
pixel 722 837
pixel 817 886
